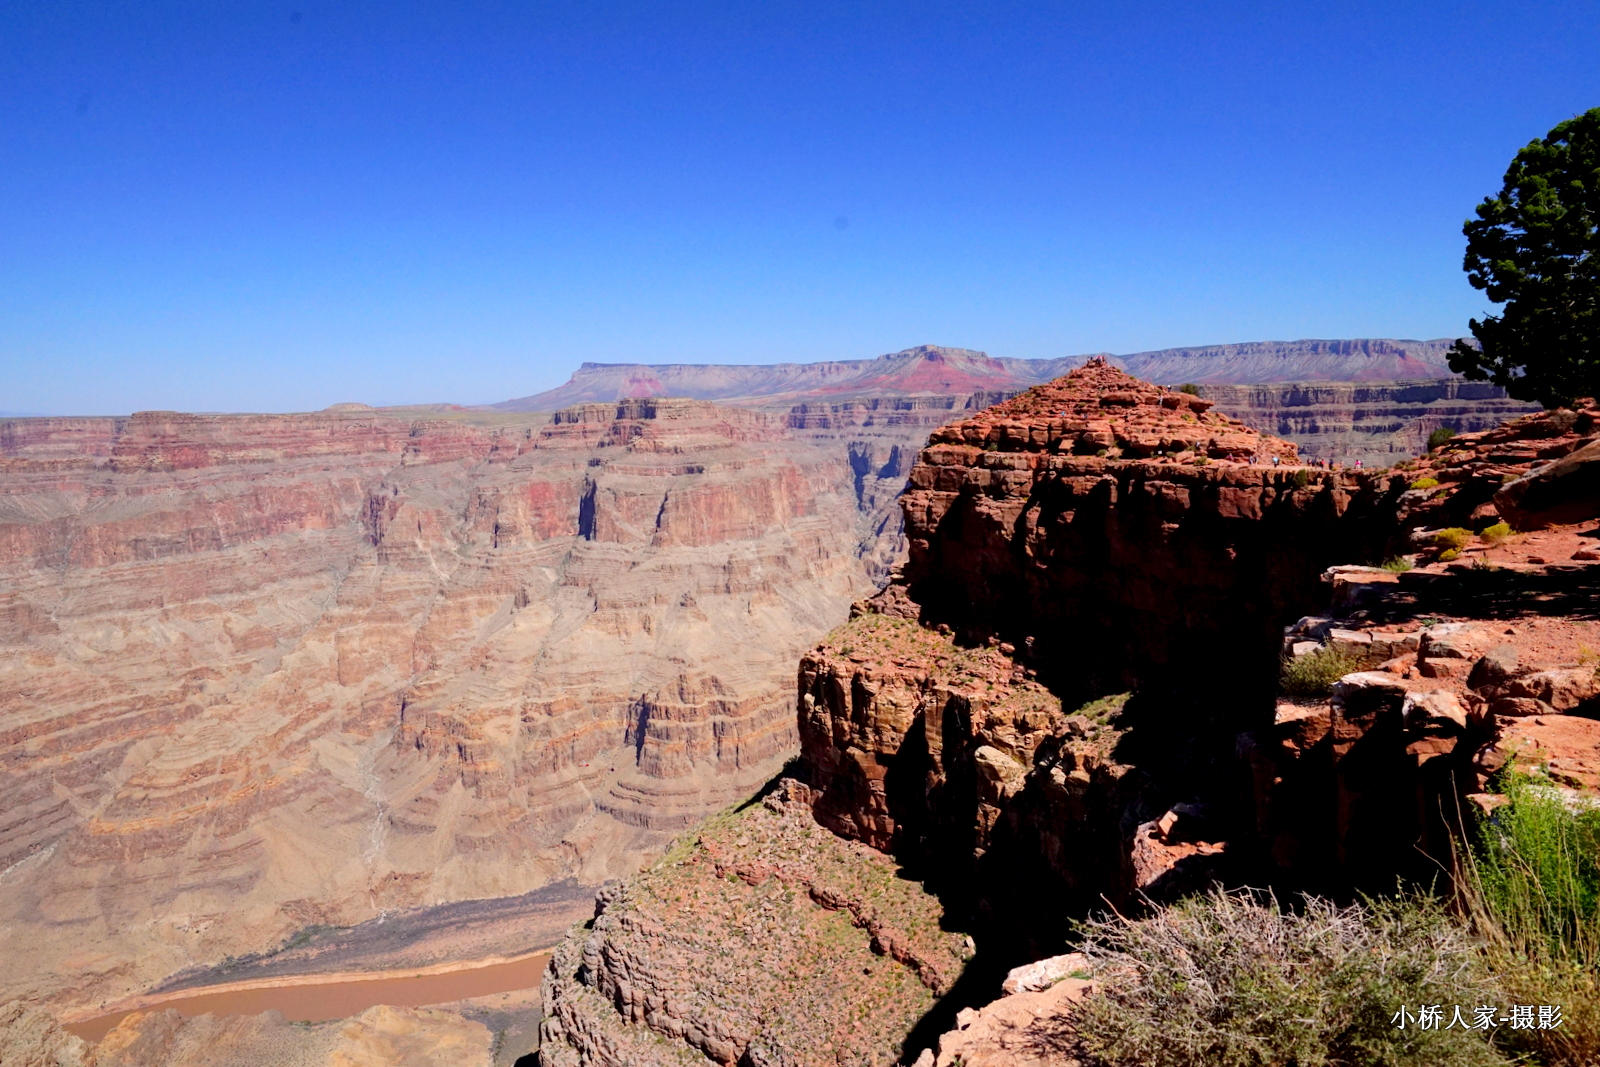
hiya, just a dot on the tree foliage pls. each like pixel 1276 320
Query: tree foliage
pixel 1536 249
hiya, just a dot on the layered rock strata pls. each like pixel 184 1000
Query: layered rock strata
pixel 1121 533
pixel 762 940
pixel 1070 542
pixel 270 673
pixel 1377 423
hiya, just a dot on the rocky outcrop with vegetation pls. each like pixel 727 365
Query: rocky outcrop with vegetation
pixel 1059 705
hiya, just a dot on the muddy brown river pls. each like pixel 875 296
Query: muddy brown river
pixel 318 998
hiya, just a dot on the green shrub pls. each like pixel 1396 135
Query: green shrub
pixel 1190 388
pixel 1301 478
pixel 1538 862
pixel 1424 483
pixel 1397 564
pixel 1201 461
pixel 1449 555
pixel 1104 709
pixel 1440 437
pixel 1313 674
pixel 1531 886
pixel 1456 537
pixel 1496 533
pixel 1232 980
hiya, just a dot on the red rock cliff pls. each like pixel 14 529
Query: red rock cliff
pixel 1122 533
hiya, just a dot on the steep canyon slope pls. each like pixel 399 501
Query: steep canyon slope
pixel 1089 536
pixel 1071 695
pixel 267 674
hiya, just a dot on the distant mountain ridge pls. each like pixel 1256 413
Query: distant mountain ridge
pixel 931 369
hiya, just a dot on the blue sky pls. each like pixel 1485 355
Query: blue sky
pixel 281 205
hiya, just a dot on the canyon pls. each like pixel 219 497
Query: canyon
pixel 395 690
pixel 934 369
pixel 1370 400
pixel 1070 696
pixel 269 678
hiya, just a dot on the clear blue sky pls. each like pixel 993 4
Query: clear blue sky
pixel 281 205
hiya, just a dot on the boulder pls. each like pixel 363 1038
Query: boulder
pixel 1390 645
pixel 1042 974
pixel 1563 689
pixel 1450 649
pixel 1365 692
pixel 1498 666
pixel 1567 490
pixel 1438 709
pixel 1519 707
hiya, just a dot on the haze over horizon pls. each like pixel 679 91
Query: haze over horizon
pixel 284 205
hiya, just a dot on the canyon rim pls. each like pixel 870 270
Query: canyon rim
pixel 376 690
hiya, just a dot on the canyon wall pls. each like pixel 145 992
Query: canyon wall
pixel 1376 422
pixel 271 673
pixel 1070 695
pixel 1088 537
pixel 931 369
pixel 1124 534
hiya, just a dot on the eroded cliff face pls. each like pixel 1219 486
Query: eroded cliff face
pixel 1069 544
pixel 1378 423
pixel 761 940
pixel 1459 664
pixel 265 672
pixel 1083 539
pixel 1122 534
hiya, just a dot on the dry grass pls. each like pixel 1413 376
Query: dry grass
pixel 1233 980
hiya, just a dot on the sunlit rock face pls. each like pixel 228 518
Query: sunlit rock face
pixel 264 672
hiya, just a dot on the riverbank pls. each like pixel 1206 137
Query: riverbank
pixel 320 997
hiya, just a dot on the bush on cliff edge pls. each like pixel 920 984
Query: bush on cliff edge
pixel 1532 891
pixel 1233 980
pixel 1313 674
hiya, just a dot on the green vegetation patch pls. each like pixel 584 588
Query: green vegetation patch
pixel 1496 533
pixel 1425 483
pixel 1456 537
pixel 1532 889
pixel 1313 674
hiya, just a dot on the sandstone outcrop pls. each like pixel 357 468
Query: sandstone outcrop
pixel 1536 470
pixel 1182 547
pixel 1024 1028
pixel 761 940
pixel 1467 660
pixel 1489 661
pixel 1101 534
pixel 271 673
pixel 31 1037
